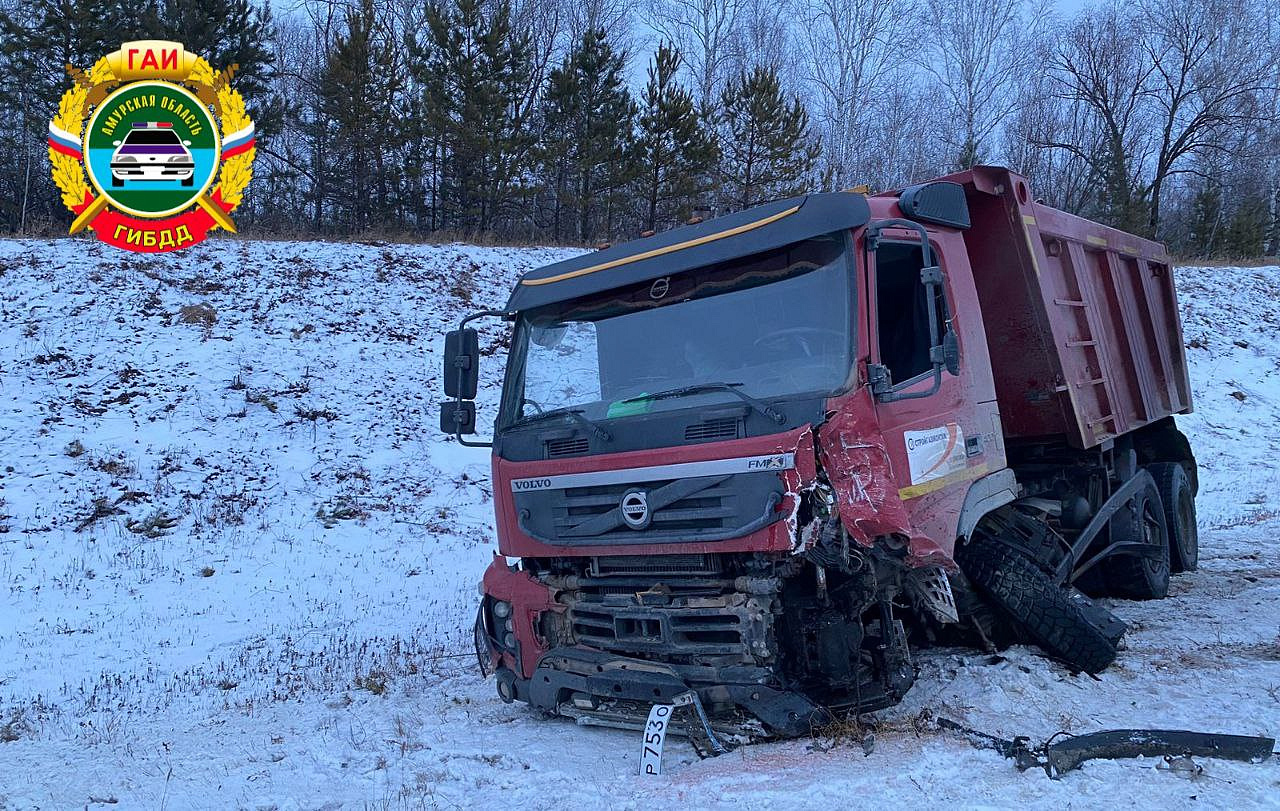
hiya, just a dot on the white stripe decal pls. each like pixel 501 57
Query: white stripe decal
pixel 680 470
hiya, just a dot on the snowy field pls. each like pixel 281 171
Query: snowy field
pixel 238 563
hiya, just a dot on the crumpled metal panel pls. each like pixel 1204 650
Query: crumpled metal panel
pixel 853 454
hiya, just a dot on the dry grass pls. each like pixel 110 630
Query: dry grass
pixel 200 315
pixel 1224 262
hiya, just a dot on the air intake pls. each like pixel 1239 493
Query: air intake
pixel 567 447
pixel 724 428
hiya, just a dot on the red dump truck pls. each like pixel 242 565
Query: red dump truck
pixel 745 465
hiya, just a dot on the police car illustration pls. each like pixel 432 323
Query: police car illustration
pixel 152 151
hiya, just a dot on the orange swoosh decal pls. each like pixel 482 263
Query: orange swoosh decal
pixel 952 435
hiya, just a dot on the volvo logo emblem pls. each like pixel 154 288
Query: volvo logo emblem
pixel 635 509
pixel 660 288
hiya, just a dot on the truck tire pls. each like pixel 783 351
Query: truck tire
pixel 1178 498
pixel 1044 610
pixel 1140 578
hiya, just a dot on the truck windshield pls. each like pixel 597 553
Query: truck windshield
pixel 774 324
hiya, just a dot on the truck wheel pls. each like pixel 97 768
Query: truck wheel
pixel 1179 515
pixel 1044 610
pixel 1140 578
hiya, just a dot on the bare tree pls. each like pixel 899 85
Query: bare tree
pixel 763 36
pixel 613 16
pixel 901 146
pixel 1100 65
pixel 976 51
pixel 1060 177
pixel 852 49
pixel 1208 74
pixel 703 30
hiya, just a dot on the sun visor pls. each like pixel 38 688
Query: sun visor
pixel 747 232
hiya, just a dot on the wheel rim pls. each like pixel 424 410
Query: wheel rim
pixel 1155 567
pixel 1187 531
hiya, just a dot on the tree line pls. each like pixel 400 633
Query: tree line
pixel 586 121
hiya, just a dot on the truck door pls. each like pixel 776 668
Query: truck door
pixel 940 442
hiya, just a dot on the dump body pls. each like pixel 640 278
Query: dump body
pixel 1081 320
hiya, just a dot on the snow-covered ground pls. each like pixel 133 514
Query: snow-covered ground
pixel 238 563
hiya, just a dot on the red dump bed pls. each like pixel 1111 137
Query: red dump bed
pixel 1081 319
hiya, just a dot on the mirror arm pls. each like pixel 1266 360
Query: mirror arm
pixel 879 379
pixel 872 237
pixel 482 314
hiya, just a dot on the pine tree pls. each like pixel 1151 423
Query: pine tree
pixel 38 40
pixel 768 152
pixel 229 32
pixel 1206 216
pixel 588 144
pixel 677 153
pixel 1245 233
pixel 477 73
pixel 358 91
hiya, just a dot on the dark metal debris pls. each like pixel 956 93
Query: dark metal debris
pixel 1057 757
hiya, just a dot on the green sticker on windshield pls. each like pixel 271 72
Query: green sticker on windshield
pixel 628 407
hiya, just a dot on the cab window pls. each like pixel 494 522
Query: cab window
pixel 902 314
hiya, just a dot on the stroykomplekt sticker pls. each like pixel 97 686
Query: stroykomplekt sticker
pixel 935 452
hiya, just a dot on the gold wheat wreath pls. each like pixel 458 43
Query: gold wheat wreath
pixel 68 170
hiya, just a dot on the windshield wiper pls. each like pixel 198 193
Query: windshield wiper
pixel 684 391
pixel 574 414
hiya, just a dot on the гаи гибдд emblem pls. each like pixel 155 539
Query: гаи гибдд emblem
pixel 151 148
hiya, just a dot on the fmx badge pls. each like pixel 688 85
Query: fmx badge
pixel 151 148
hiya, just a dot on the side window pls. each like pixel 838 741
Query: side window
pixel 902 314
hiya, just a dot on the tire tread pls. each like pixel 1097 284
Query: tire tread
pixel 1045 610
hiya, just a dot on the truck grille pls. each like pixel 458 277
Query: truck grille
pixel 706 509
pixel 692 631
pixel 682 510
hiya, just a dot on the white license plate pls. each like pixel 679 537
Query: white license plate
pixel 654 736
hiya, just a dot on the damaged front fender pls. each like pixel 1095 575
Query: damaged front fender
pixel 853 454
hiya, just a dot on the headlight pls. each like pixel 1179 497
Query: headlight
pixel 126 159
pixel 509 641
pixel 508 625
pixel 176 159
pixel 502 609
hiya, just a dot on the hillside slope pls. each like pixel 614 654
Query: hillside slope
pixel 239 562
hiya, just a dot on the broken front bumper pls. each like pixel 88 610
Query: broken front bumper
pixel 595 687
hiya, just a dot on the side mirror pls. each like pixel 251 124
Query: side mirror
pixel 461 364
pixel 115 143
pixel 186 143
pixel 951 352
pixel 458 417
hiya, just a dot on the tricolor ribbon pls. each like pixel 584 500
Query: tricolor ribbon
pixel 238 142
pixel 62 141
